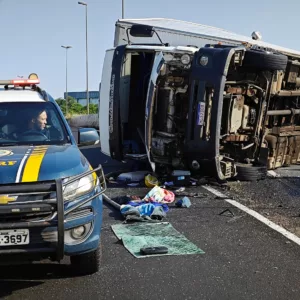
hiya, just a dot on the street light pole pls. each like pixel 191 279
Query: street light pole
pixel 122 9
pixel 66 47
pixel 87 65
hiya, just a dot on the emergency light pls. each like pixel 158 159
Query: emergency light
pixel 32 79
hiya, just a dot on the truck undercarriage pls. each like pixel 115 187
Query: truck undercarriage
pixel 257 126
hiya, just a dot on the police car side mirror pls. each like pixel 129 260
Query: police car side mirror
pixel 88 136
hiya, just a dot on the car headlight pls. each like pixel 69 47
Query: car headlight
pixel 79 187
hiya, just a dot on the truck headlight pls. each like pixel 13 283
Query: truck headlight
pixel 185 59
pixel 79 187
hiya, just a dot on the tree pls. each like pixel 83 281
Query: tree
pixel 92 107
pixel 75 108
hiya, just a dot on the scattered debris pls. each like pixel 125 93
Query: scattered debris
pixel 180 190
pixel 192 195
pixel 203 181
pixel 132 177
pixel 151 181
pixel 227 213
pixel 154 250
pixel 180 177
pixel 184 202
pixel 221 198
pixel 148 210
pixel 154 205
pixel 160 195
pixel 177 179
pixel 170 183
pixel 272 174
pixel 133 184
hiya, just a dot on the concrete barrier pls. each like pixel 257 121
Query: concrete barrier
pixel 84 121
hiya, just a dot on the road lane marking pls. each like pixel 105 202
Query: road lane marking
pixel 256 215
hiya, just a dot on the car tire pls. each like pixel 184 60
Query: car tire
pixel 265 60
pixel 249 172
pixel 88 263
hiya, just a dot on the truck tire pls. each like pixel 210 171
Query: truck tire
pixel 264 60
pixel 88 263
pixel 249 172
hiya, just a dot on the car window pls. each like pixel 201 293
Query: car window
pixel 55 121
pixel 31 123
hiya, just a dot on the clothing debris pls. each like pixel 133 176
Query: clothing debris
pixel 149 210
pixel 160 195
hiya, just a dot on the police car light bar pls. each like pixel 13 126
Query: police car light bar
pixel 20 82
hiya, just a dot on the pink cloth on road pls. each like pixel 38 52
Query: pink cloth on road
pixel 160 195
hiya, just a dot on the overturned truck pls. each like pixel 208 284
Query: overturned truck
pixel 224 105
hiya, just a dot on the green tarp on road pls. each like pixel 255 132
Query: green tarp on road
pixel 139 235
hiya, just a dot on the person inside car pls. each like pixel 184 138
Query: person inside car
pixel 37 123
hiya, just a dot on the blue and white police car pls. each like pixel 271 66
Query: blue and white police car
pixel 50 196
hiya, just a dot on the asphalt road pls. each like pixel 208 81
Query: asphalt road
pixel 278 199
pixel 244 259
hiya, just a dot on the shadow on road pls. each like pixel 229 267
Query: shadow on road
pixel 114 213
pixel 18 277
pixel 8 287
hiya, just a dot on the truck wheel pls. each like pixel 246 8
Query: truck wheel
pixel 249 172
pixel 88 263
pixel 265 60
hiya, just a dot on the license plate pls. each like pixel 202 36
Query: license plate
pixel 15 237
pixel 201 113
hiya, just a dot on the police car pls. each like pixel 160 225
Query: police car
pixel 50 196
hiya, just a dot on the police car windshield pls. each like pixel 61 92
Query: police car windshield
pixel 23 123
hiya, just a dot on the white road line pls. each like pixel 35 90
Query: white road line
pixel 256 215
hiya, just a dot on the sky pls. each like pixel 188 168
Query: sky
pixel 33 31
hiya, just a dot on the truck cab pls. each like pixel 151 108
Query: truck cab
pixel 50 196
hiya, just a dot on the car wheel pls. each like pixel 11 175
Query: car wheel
pixel 265 60
pixel 249 172
pixel 88 263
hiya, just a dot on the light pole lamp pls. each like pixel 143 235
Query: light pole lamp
pixel 87 65
pixel 66 47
